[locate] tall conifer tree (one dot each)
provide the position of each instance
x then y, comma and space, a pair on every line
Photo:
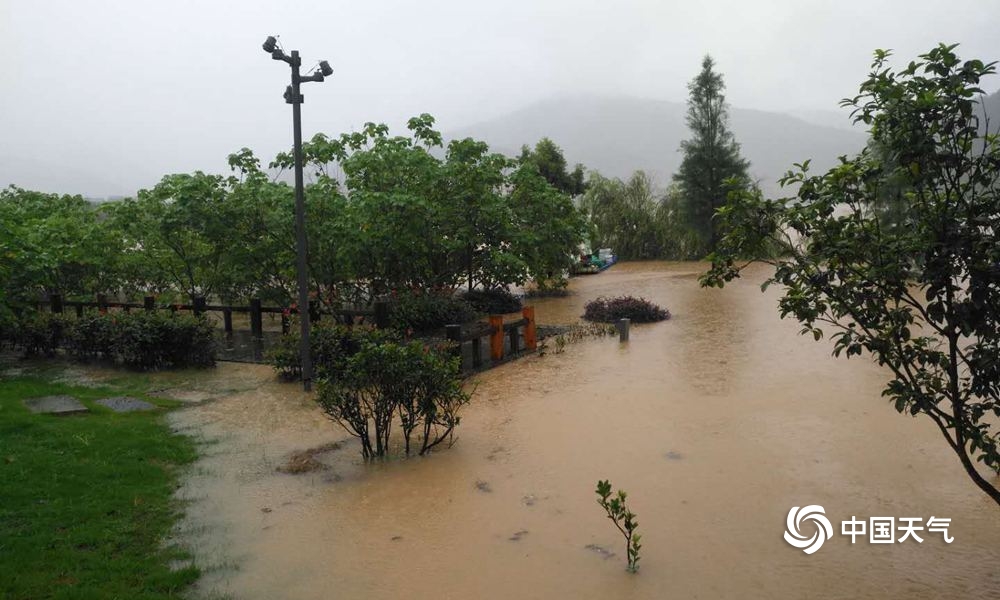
712, 164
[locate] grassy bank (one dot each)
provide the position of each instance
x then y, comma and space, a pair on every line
85, 500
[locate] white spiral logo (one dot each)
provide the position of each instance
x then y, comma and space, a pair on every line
794, 536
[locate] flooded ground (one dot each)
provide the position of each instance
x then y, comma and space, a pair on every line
716, 422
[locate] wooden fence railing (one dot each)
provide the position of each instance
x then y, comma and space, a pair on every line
505, 338
498, 334
379, 311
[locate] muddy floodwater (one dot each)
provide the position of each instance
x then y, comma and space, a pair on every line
717, 422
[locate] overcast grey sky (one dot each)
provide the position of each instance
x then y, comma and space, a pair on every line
115, 94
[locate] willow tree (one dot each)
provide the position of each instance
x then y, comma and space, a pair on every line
712, 165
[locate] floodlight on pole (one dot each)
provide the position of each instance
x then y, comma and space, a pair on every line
294, 97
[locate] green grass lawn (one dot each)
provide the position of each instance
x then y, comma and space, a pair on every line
85, 500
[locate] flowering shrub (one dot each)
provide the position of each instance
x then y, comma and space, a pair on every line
609, 310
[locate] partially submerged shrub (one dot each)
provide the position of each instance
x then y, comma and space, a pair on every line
332, 344
388, 383
493, 302
609, 310
623, 518
424, 311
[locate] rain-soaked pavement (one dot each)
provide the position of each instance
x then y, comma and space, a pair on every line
717, 422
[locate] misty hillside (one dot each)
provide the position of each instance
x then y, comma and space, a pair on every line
57, 177
618, 135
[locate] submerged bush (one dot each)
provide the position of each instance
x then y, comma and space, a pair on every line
331, 344
389, 383
422, 311
609, 310
623, 518
493, 302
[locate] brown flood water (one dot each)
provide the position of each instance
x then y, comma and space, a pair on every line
717, 422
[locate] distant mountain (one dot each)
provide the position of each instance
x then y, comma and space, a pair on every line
618, 135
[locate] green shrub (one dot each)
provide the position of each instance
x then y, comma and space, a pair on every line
152, 340
493, 302
624, 520
419, 311
138, 340
387, 383
92, 336
638, 310
331, 345
40, 333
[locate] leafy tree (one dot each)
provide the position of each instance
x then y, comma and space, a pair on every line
577, 180
54, 244
549, 228
626, 216
178, 236
712, 166
480, 218
465, 219
551, 164
923, 300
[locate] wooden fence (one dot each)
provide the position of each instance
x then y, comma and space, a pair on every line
499, 333
379, 311
505, 338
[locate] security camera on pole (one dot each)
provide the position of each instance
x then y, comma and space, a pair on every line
295, 98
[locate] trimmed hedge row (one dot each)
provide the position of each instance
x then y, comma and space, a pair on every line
138, 340
609, 310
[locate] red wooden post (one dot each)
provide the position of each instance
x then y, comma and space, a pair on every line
530, 335
496, 338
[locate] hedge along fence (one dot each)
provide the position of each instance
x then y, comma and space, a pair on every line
379, 313
136, 340
332, 344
